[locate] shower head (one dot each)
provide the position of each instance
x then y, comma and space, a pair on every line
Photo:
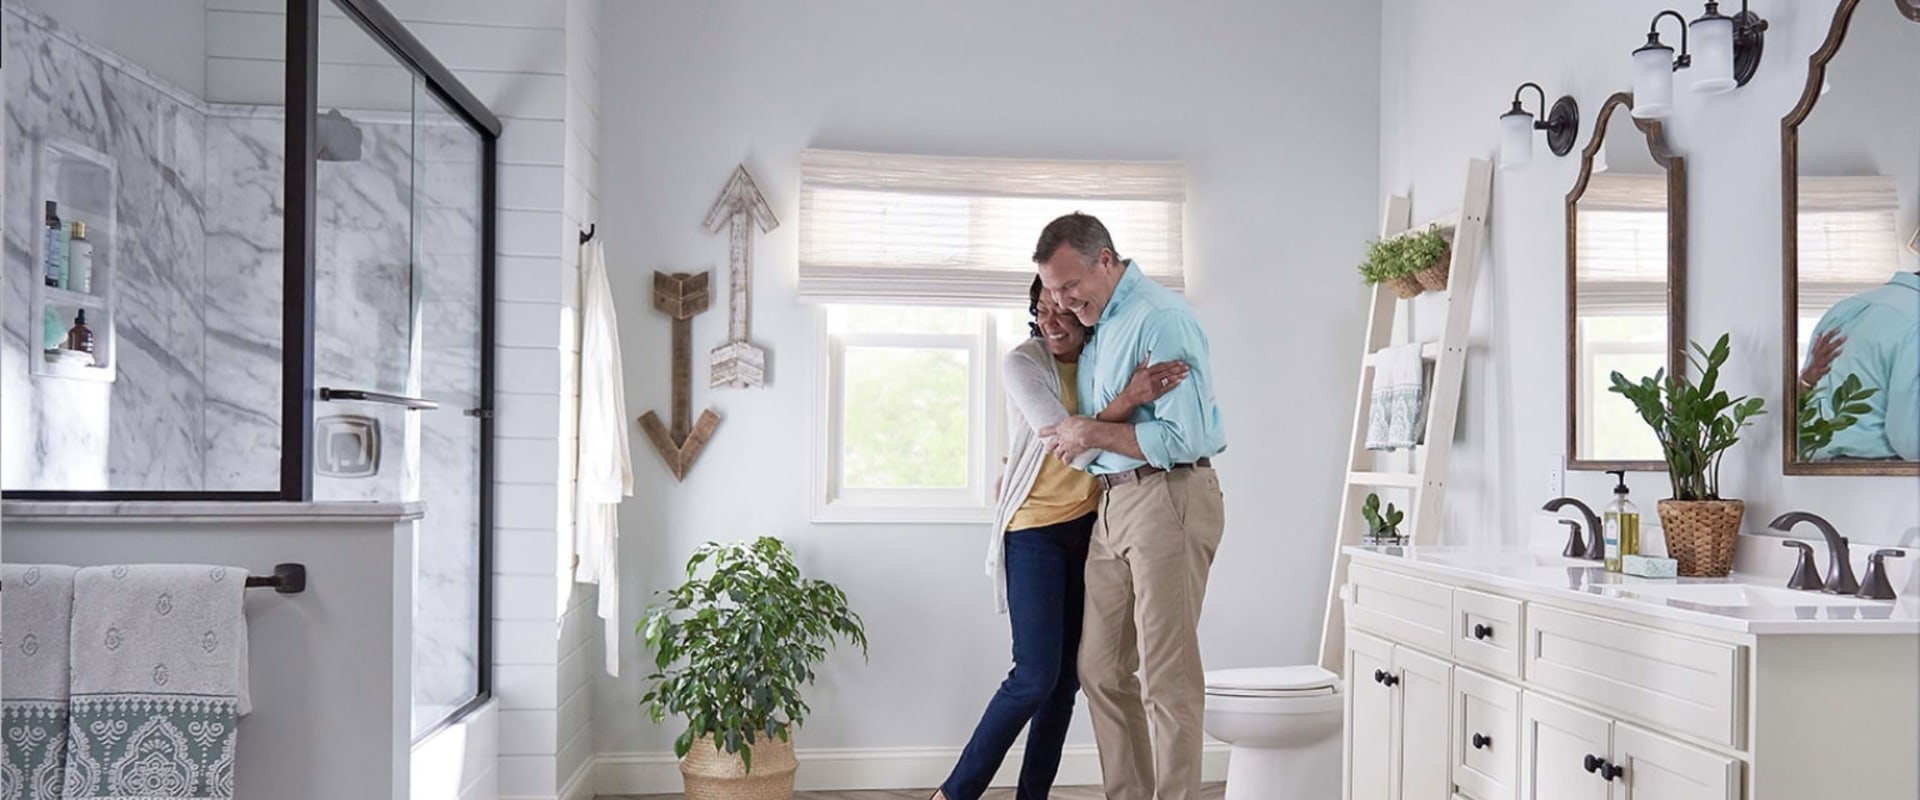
338, 137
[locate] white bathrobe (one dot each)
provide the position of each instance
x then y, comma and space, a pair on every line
605, 473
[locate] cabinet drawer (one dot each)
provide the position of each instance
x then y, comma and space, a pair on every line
1486, 737
1404, 609
1673, 682
1487, 632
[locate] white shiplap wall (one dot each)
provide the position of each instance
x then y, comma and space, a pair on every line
534, 63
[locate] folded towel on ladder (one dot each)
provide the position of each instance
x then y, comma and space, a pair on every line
159, 681
1394, 417
34, 679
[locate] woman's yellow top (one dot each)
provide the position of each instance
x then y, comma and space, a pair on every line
1060, 493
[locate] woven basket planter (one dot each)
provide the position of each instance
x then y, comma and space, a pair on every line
713, 775
1701, 533
1434, 277
1406, 287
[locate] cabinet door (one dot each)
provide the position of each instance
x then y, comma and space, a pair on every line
1559, 742
1486, 736
1371, 745
1658, 768
1426, 703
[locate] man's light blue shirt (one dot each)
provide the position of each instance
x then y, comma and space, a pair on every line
1144, 317
1882, 329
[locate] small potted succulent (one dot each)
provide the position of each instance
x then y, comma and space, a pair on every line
1383, 527
1696, 422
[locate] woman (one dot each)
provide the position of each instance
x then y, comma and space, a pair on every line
1040, 534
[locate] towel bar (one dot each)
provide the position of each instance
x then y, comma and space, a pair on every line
286, 579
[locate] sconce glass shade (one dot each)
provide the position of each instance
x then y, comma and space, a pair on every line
1516, 139
1713, 55
1653, 81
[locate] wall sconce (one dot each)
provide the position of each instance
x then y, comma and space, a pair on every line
1562, 125
1724, 55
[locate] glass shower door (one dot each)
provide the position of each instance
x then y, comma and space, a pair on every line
398, 346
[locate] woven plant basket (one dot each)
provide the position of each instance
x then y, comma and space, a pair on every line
1406, 286
710, 774
1700, 534
1434, 277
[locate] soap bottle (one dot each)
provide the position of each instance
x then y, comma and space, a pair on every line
53, 256
80, 260
1622, 522
80, 337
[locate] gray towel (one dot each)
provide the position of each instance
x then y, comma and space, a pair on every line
34, 678
159, 681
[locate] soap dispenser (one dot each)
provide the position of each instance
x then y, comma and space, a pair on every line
1622, 523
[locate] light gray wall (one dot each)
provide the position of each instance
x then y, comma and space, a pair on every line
1440, 101
167, 37
329, 666
1273, 106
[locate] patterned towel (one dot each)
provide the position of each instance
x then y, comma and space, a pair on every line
159, 681
1399, 398
34, 677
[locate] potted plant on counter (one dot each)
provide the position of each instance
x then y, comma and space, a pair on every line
732, 649
1696, 424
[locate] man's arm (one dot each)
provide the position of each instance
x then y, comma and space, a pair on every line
1903, 400
1184, 426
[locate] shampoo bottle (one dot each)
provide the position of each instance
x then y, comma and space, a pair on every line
80, 260
54, 254
1622, 520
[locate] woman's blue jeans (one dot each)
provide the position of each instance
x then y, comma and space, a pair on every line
1046, 587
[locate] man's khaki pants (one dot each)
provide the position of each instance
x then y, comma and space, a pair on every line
1146, 577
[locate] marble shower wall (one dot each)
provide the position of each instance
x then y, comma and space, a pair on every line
146, 429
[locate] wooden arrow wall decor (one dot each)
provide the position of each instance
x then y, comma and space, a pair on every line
738, 363
681, 296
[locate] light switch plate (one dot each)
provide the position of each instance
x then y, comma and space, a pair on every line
1557, 477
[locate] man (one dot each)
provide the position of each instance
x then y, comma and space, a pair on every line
1160, 518
1875, 336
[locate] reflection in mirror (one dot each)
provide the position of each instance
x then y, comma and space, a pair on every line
1626, 248
1852, 161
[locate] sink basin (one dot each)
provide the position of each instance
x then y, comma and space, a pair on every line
1732, 594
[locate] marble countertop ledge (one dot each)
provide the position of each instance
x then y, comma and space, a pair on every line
208, 511
1588, 582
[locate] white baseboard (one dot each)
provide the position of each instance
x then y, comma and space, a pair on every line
582, 785
878, 768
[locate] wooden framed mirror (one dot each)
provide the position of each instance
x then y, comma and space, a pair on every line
1850, 249
1626, 284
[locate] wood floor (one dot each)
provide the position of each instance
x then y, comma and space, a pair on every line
1212, 791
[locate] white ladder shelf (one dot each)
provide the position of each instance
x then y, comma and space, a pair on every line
1428, 479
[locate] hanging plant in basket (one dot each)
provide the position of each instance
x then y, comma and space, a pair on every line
1385, 264
1429, 254
1696, 424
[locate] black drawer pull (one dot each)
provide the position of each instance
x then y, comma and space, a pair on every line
1481, 742
1482, 632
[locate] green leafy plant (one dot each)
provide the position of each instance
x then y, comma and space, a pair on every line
1695, 422
1381, 524
733, 647
1824, 413
1403, 255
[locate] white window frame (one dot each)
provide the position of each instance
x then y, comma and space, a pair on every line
833, 503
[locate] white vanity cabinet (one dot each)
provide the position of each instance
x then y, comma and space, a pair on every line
1556, 682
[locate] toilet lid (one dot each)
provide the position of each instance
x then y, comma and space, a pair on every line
1272, 682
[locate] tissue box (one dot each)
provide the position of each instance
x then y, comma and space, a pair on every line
1650, 566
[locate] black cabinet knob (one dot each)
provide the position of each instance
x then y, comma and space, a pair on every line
1594, 763
1390, 680
1482, 632
1612, 771
1380, 677
1481, 742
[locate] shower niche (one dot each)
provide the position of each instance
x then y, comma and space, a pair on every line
81, 184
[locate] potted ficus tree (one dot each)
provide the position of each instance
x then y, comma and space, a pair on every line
733, 647
1696, 424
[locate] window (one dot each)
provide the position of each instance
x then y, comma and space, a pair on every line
1622, 242
922, 267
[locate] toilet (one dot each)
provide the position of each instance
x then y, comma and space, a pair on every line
1283, 724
